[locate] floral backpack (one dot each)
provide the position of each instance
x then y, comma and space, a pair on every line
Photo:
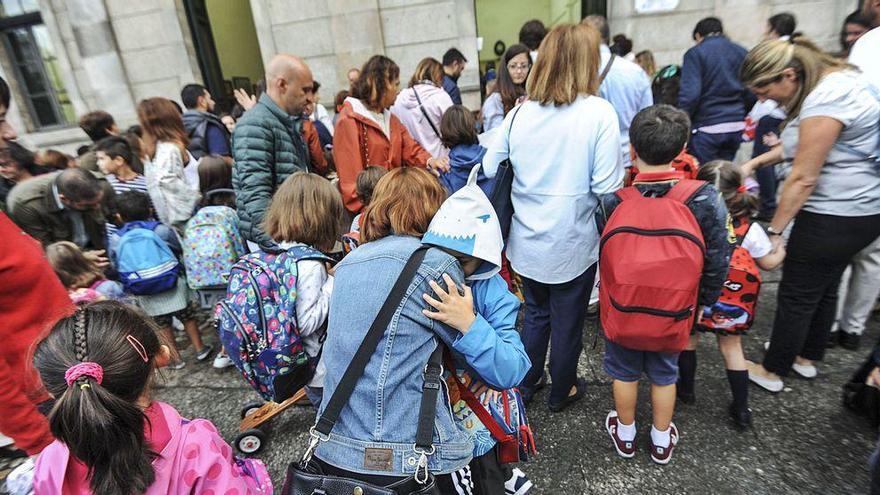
257, 322
211, 245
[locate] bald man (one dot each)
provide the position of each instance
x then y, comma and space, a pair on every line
268, 144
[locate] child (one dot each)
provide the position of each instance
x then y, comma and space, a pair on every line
364, 186
469, 213
657, 135
726, 177
135, 212
458, 129
306, 212
83, 279
114, 157
111, 437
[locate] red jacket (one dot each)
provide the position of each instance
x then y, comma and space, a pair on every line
316, 152
31, 300
358, 142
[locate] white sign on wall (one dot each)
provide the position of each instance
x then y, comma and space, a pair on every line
654, 6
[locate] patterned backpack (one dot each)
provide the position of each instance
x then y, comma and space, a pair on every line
211, 245
734, 311
257, 322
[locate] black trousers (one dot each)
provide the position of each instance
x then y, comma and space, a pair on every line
819, 249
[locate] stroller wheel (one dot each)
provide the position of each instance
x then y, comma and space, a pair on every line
250, 408
250, 441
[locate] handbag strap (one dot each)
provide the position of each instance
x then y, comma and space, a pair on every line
430, 122
607, 68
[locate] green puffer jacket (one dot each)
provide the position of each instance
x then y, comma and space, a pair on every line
263, 140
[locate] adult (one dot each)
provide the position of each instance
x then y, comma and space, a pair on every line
622, 46
854, 27
97, 125
564, 144
374, 436
421, 105
832, 190
623, 83
864, 52
531, 34
268, 144
320, 116
367, 133
510, 87
207, 134
712, 94
353, 74
780, 26
174, 195
645, 60
54, 159
17, 164
453, 65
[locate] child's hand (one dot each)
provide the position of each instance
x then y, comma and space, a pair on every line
453, 308
771, 140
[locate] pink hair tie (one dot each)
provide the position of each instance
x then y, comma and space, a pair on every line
741, 188
92, 370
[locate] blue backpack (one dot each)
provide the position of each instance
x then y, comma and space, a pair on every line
145, 263
257, 322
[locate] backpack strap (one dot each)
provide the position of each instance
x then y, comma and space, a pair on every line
628, 193
301, 253
477, 407
741, 228
684, 190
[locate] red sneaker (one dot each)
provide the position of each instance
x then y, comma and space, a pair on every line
662, 455
624, 449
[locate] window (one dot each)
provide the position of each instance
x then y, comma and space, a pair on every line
34, 63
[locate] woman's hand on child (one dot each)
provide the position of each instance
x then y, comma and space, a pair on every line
771, 140
98, 257
438, 165
454, 308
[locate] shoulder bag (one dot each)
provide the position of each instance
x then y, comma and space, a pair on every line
503, 186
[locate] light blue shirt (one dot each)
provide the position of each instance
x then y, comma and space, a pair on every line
493, 112
563, 157
628, 89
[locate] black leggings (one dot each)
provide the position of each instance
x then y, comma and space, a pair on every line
819, 249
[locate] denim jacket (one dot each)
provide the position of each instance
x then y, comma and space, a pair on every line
376, 429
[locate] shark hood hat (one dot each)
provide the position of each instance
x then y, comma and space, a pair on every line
467, 223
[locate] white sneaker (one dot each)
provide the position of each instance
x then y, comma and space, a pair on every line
222, 361
766, 346
807, 371
767, 384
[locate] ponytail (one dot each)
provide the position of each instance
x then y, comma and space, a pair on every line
729, 181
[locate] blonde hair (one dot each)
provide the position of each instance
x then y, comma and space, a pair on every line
568, 65
429, 69
404, 202
765, 63
307, 209
72, 267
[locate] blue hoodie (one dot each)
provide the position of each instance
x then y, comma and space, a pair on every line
462, 159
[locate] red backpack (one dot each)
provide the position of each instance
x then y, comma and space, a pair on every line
650, 265
735, 310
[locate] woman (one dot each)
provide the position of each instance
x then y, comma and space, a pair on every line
17, 164
780, 27
373, 439
645, 59
510, 88
174, 197
367, 133
564, 144
854, 26
832, 190
420, 107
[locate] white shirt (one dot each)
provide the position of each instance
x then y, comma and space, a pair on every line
865, 55
628, 89
563, 157
323, 116
756, 241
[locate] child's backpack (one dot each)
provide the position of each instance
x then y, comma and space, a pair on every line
257, 322
650, 264
211, 245
734, 311
145, 263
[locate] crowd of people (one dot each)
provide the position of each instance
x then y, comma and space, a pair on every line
380, 257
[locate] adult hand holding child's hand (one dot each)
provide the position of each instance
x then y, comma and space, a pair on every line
454, 308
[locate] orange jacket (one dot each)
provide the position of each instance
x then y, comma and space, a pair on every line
316, 152
359, 142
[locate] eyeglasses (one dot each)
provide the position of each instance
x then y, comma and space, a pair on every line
518, 67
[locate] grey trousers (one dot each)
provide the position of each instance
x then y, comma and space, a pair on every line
859, 289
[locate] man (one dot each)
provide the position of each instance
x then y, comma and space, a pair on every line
31, 297
864, 52
532, 34
268, 144
97, 125
353, 74
453, 65
712, 93
625, 85
207, 134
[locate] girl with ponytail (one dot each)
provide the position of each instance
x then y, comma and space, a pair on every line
111, 438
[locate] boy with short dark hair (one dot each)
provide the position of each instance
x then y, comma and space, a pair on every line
114, 157
657, 135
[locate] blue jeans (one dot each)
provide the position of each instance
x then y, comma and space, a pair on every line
707, 147
555, 317
766, 176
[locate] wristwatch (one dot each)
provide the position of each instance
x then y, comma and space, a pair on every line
772, 231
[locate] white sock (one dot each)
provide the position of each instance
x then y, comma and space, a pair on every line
627, 433
660, 438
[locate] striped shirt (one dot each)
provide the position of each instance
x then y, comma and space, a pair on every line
139, 183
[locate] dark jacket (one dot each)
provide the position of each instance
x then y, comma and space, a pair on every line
711, 214
450, 85
711, 91
267, 143
197, 126
33, 207
462, 159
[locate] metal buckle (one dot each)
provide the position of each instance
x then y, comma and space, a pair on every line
423, 464
316, 438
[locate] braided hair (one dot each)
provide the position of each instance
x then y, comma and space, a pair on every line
96, 416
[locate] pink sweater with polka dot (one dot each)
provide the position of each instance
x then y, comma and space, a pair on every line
194, 459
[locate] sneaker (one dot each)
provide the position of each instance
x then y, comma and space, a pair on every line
807, 371
222, 361
833, 339
767, 384
850, 341
205, 352
624, 449
580, 391
518, 484
178, 365
662, 455
766, 346
742, 418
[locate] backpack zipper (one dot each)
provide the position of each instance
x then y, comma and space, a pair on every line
657, 233
676, 315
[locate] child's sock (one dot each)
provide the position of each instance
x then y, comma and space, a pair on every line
687, 372
739, 387
660, 438
627, 433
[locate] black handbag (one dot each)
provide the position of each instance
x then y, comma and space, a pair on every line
307, 478
503, 186
861, 398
